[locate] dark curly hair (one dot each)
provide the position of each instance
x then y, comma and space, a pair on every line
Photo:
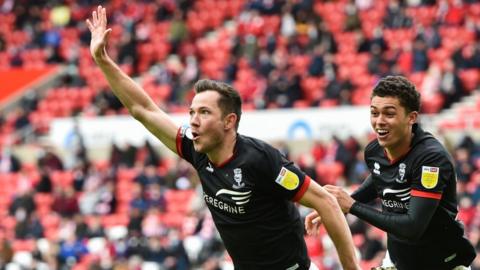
229, 101
401, 88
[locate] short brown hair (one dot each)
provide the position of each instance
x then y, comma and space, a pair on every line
229, 101
401, 88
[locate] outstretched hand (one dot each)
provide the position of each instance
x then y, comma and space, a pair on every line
99, 31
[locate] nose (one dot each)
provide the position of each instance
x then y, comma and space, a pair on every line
380, 119
194, 119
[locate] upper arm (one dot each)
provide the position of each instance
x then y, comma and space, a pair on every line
432, 173
159, 124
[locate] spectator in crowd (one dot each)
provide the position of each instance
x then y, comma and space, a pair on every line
8, 161
45, 183
65, 201
23, 202
28, 227
49, 160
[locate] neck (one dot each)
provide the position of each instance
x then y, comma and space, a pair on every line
224, 151
397, 151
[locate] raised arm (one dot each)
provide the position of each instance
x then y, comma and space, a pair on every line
132, 96
334, 221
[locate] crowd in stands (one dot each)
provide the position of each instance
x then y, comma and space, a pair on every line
140, 207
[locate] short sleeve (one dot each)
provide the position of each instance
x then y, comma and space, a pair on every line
184, 144
282, 178
431, 175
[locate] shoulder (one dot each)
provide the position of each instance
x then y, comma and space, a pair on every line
256, 148
430, 146
430, 151
373, 148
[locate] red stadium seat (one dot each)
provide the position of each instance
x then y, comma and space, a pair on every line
314, 246
329, 173
470, 78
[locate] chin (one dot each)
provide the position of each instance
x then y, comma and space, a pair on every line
382, 143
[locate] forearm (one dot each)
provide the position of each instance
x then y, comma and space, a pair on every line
338, 230
132, 96
410, 225
334, 221
139, 104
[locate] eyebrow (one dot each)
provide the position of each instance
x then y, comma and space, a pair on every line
200, 108
384, 108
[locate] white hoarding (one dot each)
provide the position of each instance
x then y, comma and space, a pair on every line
286, 124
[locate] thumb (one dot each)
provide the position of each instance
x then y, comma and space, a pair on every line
106, 34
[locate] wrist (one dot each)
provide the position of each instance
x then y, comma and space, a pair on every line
352, 207
101, 59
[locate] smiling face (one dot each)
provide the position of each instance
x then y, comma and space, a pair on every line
207, 122
392, 124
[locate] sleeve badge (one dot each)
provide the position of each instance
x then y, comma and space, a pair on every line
429, 177
287, 179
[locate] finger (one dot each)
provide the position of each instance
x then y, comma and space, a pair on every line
327, 187
311, 216
94, 18
89, 25
99, 14
104, 16
309, 225
330, 189
317, 220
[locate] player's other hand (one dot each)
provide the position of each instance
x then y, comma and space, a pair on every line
343, 198
312, 223
99, 31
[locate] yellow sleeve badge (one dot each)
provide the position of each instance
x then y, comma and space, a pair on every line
287, 179
429, 177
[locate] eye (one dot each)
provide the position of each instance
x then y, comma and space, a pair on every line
373, 113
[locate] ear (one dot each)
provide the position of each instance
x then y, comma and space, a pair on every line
412, 117
229, 121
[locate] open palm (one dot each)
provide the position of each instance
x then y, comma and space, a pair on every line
99, 31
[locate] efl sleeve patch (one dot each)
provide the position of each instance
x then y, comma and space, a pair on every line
430, 176
287, 179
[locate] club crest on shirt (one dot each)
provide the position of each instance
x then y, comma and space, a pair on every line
429, 177
287, 179
237, 176
401, 173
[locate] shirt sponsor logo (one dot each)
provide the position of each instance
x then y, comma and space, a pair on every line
239, 198
429, 177
376, 168
395, 204
401, 201
401, 172
237, 176
287, 179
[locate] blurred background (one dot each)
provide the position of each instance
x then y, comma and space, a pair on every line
83, 186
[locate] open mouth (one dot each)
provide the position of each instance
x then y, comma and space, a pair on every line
382, 133
195, 135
